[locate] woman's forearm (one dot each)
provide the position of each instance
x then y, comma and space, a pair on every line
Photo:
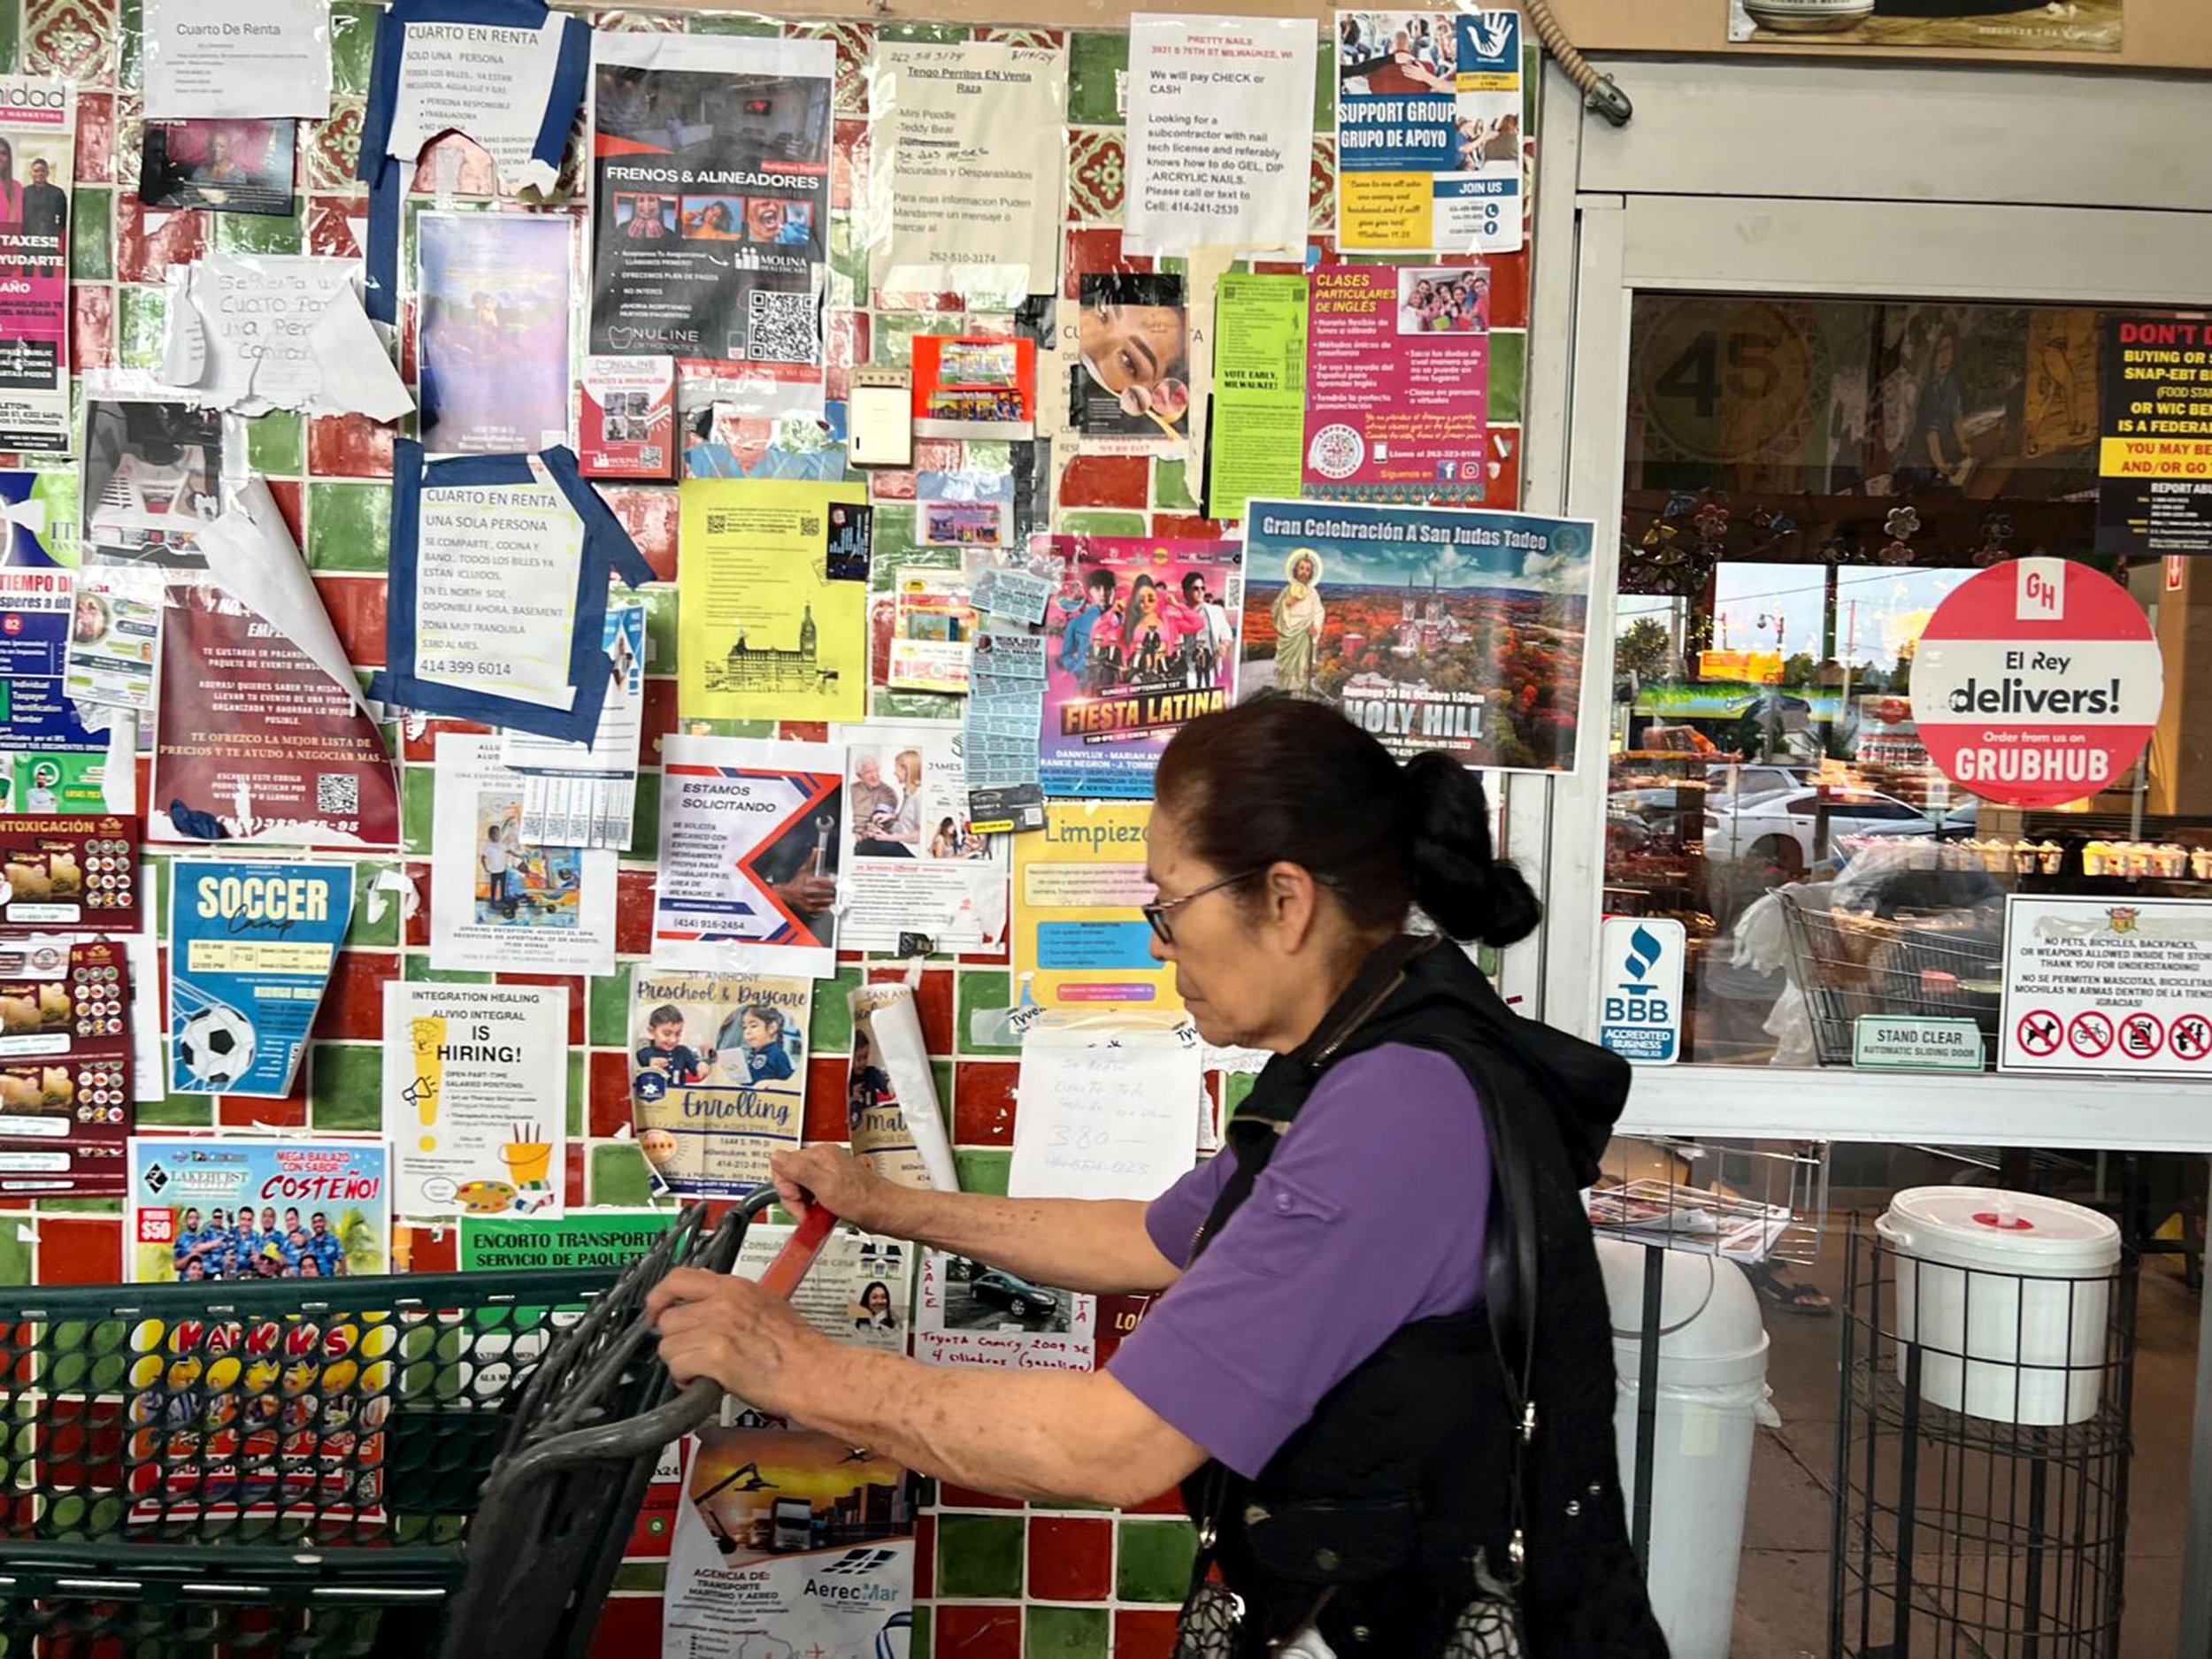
1094, 1245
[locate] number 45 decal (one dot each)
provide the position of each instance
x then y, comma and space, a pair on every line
1743, 364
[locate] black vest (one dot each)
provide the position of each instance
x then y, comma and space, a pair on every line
1367, 1520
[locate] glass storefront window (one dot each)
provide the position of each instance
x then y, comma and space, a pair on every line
1806, 482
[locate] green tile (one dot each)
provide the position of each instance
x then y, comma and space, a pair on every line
1066, 1633
79, 1206
1153, 1561
982, 1169
10, 36
417, 802
660, 626
260, 233
1101, 521
91, 227
419, 968
887, 704
1171, 486
130, 37
980, 1556
1508, 365
142, 327
919, 1638
830, 1022
1235, 1086
384, 927
353, 47
975, 990
895, 542
1098, 59
890, 340
925, 34
276, 446
15, 1250
645, 820
577, 1087
349, 526
766, 27
848, 266
345, 1085
649, 1577
1325, 84
178, 1112
607, 1009
617, 1174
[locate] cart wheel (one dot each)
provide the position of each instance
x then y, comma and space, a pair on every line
1018, 1307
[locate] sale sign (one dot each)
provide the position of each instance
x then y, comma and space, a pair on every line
2037, 683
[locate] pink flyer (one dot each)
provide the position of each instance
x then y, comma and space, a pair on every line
1397, 382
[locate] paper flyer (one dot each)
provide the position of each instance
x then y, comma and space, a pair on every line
1429, 131
490, 82
1105, 1117
256, 742
38, 135
67, 1101
2154, 432
1397, 382
1079, 940
914, 872
717, 1076
626, 424
232, 166
930, 629
492, 321
154, 474
711, 211
585, 794
940, 224
584, 1238
2106, 989
1131, 385
892, 1115
70, 873
751, 836
974, 386
968, 1314
476, 1097
260, 332
255, 1208
49, 760
1220, 132
496, 902
1432, 627
1259, 390
859, 1290
763, 631
251, 947
221, 58
789, 1542
114, 639
1142, 638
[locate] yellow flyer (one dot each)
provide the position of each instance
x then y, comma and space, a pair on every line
764, 631
1078, 933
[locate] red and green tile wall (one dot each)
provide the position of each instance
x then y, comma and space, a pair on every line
999, 1580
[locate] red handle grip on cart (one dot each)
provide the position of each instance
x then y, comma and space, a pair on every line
782, 1275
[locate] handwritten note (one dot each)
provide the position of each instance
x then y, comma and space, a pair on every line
1103, 1116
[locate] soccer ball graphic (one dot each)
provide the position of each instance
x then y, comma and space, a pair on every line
216, 1045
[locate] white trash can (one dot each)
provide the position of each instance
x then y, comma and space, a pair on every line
2006, 1295
1712, 1395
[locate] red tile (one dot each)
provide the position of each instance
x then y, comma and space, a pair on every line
607, 1093
1196, 529
925, 1555
253, 1111
430, 1248
466, 163
1099, 251
348, 446
633, 912
1148, 1634
848, 166
826, 1115
419, 741
419, 919
1509, 289
976, 1631
1070, 1560
649, 512
938, 454
895, 484
628, 1625
1504, 490
572, 983
932, 1003
356, 604
287, 493
79, 1250
149, 241
353, 1006
96, 136
659, 715
983, 1102
1105, 480
330, 231
1169, 1503
92, 327
576, 1154
952, 1497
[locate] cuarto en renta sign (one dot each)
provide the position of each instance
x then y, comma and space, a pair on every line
2037, 683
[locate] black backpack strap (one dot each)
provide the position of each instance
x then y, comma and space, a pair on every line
1510, 1297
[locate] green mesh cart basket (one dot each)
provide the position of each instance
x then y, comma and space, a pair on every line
206, 1470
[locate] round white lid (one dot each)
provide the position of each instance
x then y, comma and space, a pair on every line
1989, 1221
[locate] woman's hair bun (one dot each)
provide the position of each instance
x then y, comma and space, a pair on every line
1464, 888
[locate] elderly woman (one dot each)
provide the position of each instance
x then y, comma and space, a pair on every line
1322, 1376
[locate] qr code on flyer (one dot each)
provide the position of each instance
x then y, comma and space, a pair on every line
338, 794
781, 327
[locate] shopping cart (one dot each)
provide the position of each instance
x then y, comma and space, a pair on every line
395, 1466
1847, 964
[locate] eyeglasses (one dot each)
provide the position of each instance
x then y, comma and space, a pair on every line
1157, 913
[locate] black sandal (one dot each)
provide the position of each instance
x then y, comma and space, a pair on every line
1789, 1295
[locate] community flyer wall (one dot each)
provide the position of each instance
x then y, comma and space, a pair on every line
764, 631
1429, 131
710, 177
255, 1208
255, 742
49, 760
1397, 382
789, 1542
1080, 937
251, 947
750, 833
476, 1097
38, 147
492, 308
497, 902
1143, 638
916, 874
1432, 627
717, 1075
966, 178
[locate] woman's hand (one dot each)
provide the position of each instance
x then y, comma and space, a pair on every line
714, 1325
831, 1177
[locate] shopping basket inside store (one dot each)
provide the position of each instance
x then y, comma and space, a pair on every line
1945, 965
401, 1466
